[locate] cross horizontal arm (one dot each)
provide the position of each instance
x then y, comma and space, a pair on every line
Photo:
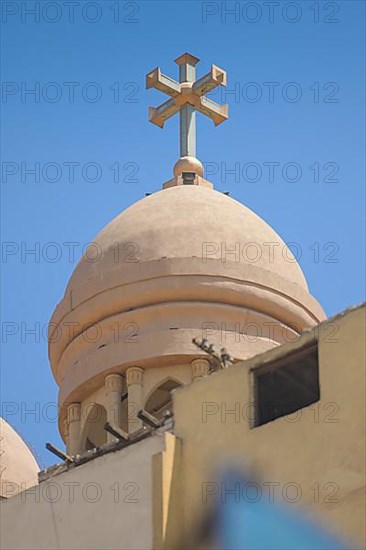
158, 115
218, 113
163, 83
216, 77
186, 97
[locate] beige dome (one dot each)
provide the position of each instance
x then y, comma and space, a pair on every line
18, 466
173, 261
180, 222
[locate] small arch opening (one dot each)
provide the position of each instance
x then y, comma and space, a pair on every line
160, 401
94, 434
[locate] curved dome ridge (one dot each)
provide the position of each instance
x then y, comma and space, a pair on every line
189, 221
19, 468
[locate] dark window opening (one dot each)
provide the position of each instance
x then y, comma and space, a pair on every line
285, 386
188, 178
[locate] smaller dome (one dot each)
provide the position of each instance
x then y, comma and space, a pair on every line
188, 164
19, 469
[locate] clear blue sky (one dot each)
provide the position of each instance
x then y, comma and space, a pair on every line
316, 46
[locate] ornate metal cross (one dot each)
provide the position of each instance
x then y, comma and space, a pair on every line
187, 97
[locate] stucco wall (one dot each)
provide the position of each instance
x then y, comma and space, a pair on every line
320, 448
105, 503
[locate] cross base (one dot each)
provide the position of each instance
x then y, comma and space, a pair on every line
187, 178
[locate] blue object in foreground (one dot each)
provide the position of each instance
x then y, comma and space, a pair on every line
258, 524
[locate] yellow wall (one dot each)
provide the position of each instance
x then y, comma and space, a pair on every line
322, 444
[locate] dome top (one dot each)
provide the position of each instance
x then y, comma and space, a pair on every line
18, 466
188, 222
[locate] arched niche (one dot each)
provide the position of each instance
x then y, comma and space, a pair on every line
160, 398
94, 434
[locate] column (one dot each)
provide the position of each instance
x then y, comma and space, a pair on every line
200, 368
114, 385
67, 434
73, 421
134, 380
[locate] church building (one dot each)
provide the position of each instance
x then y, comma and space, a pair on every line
192, 344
